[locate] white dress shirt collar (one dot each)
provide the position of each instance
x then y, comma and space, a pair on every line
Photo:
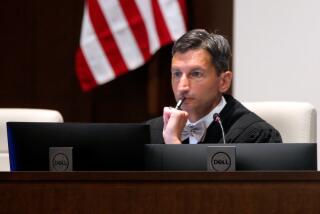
207, 119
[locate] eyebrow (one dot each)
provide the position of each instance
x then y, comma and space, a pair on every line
192, 68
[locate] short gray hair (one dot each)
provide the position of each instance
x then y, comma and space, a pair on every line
217, 46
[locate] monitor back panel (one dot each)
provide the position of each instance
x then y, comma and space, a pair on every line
249, 157
96, 147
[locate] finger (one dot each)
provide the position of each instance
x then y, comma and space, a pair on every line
166, 115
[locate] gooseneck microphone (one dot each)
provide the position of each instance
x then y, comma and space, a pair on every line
216, 118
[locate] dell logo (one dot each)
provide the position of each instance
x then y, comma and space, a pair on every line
223, 162
220, 162
60, 162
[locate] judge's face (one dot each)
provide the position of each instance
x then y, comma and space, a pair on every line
194, 77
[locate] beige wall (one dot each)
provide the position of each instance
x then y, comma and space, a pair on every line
277, 51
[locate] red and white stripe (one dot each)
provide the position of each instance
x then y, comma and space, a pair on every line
120, 35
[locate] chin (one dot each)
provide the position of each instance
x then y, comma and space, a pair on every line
187, 108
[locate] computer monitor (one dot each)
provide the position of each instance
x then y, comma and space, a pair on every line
96, 146
249, 156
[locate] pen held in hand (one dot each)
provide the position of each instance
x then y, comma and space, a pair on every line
180, 103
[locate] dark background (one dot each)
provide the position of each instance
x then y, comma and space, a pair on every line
39, 39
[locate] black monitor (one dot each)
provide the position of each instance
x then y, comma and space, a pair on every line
249, 156
96, 146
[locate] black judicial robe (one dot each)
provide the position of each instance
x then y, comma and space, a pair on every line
240, 126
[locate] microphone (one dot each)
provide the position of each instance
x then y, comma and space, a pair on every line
216, 118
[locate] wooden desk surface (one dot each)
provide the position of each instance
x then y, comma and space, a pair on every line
160, 192
161, 176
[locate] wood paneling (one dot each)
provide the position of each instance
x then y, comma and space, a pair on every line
160, 192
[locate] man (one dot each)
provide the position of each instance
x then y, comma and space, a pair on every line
200, 76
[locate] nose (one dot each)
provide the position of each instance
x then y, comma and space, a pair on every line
184, 84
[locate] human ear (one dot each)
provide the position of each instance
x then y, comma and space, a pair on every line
225, 81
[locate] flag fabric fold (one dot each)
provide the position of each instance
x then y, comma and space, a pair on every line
121, 35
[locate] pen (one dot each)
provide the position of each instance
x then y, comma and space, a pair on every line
180, 103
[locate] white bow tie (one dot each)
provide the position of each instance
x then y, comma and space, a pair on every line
197, 131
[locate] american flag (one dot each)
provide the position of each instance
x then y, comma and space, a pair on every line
121, 35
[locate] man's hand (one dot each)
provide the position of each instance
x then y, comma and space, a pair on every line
173, 123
